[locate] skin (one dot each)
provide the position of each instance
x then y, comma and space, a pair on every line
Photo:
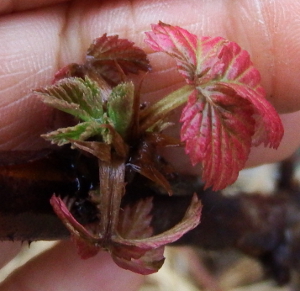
39, 37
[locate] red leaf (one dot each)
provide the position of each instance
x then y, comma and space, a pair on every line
176, 42
112, 57
85, 249
134, 224
240, 75
138, 251
148, 264
132, 246
190, 220
71, 70
269, 129
218, 134
135, 220
227, 112
87, 243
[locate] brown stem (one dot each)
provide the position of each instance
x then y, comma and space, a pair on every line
111, 177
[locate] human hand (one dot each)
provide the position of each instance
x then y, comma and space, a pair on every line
60, 268
36, 43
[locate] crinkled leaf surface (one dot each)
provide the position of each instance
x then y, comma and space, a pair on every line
112, 57
120, 107
178, 43
109, 119
132, 247
85, 241
144, 254
190, 220
214, 138
135, 220
227, 110
78, 97
135, 223
79, 132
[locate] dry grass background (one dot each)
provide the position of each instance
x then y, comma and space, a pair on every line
188, 269
185, 270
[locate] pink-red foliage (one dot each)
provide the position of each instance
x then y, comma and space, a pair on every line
227, 111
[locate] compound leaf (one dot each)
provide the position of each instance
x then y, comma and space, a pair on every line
227, 111
113, 57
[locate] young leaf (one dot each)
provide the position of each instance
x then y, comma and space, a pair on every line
80, 132
120, 107
81, 98
132, 246
85, 241
227, 110
70, 70
144, 254
112, 57
135, 220
110, 130
147, 264
178, 43
190, 220
218, 134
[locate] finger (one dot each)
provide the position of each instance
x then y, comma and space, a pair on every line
257, 26
248, 22
269, 30
60, 268
28, 58
8, 6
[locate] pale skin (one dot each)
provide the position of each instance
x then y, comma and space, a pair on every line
39, 37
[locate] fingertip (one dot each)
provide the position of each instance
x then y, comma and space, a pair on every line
60, 268
289, 144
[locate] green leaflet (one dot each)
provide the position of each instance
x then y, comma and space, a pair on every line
120, 107
81, 98
79, 132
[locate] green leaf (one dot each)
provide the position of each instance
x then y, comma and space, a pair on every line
120, 107
81, 98
80, 132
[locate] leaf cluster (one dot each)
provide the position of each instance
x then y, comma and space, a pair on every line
225, 114
108, 116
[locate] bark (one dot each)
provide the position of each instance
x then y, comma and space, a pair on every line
267, 228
